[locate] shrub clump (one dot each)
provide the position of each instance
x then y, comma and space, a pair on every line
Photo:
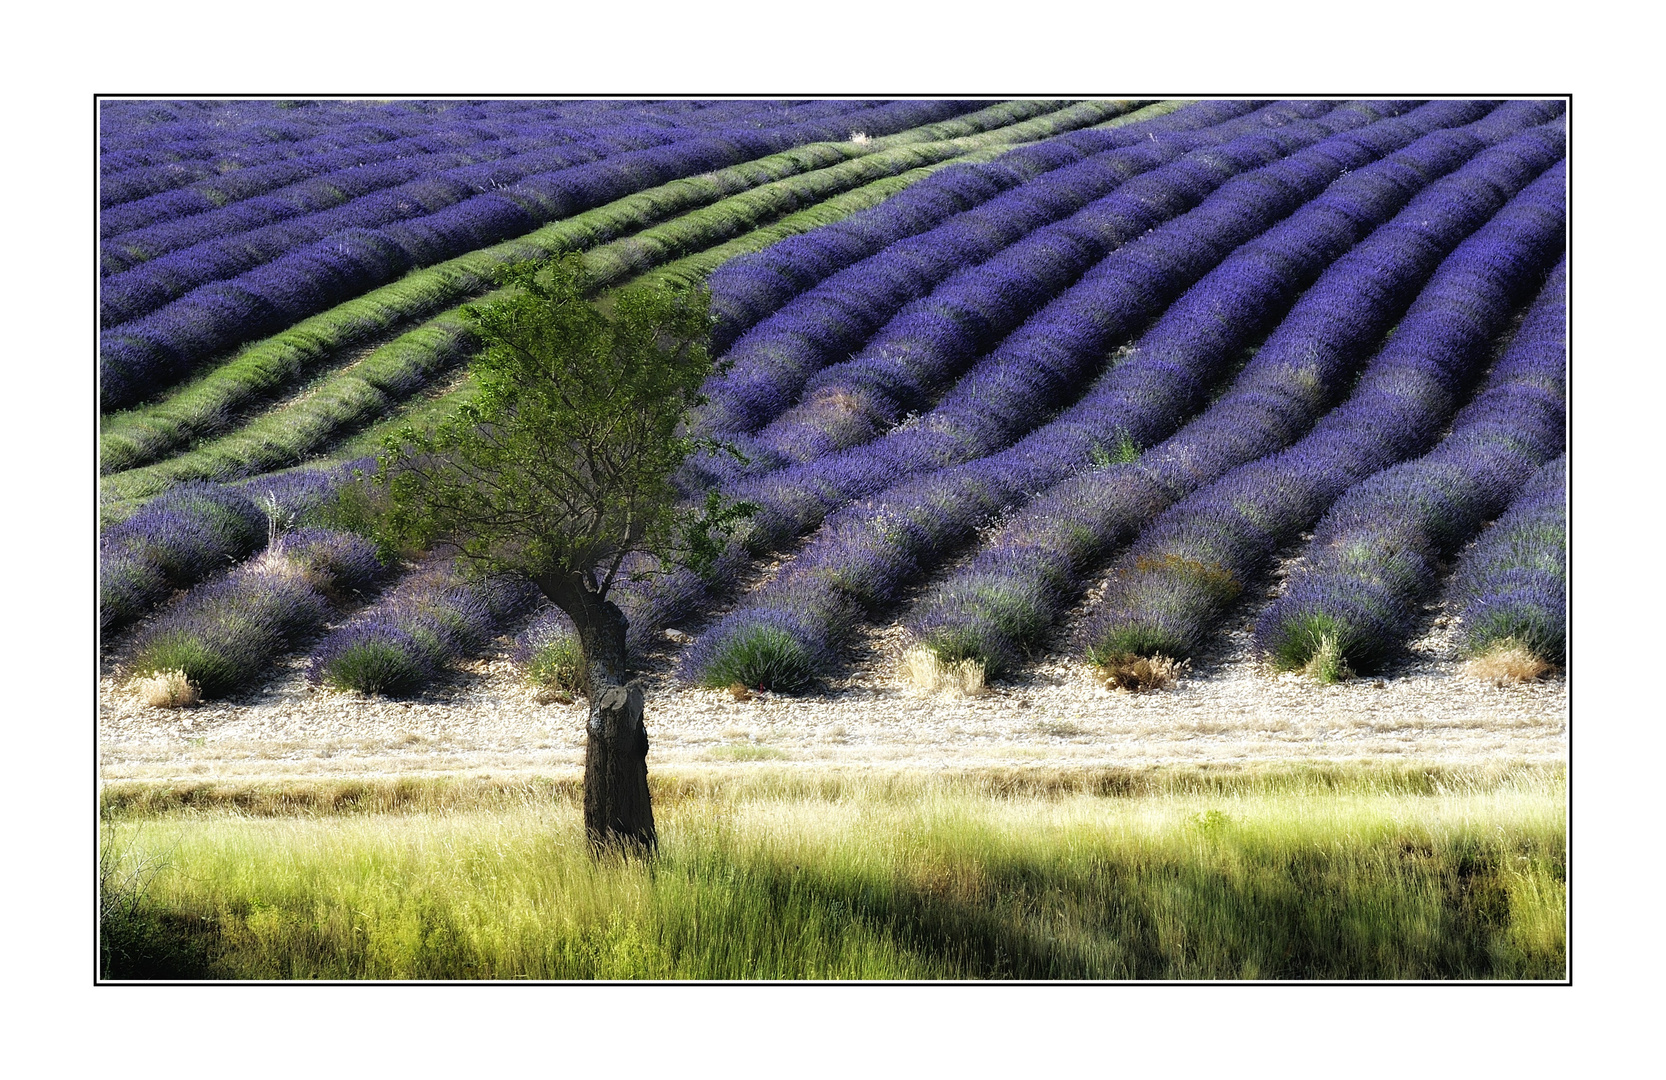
223, 636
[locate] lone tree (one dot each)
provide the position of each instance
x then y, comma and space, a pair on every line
558, 469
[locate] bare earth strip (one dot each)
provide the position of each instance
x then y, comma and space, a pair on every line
1227, 712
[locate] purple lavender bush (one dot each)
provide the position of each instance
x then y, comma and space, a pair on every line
401, 644
1376, 553
999, 606
225, 635
178, 539
1511, 587
1167, 593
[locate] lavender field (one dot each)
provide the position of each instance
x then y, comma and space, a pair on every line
1150, 555
1011, 380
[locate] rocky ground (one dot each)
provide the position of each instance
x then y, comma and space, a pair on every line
1225, 710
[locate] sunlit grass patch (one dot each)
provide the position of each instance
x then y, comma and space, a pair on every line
1301, 873
745, 752
166, 690
1132, 672
922, 669
1507, 662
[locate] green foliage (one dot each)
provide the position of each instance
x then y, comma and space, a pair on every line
953, 644
211, 666
558, 665
1515, 624
1134, 640
1125, 452
704, 537
562, 462
375, 667
359, 506
762, 658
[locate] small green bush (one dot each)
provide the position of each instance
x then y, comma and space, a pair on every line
558, 665
376, 667
762, 658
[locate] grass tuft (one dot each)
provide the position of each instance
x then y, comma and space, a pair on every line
1326, 663
167, 690
745, 752
1315, 644
761, 658
922, 669
1130, 672
376, 667
557, 667
1507, 663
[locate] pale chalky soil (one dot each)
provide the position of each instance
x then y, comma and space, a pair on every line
1226, 711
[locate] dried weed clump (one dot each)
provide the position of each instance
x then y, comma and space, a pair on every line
167, 690
1507, 663
922, 669
1327, 664
1129, 672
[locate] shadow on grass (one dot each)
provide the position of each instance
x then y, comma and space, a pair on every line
1302, 917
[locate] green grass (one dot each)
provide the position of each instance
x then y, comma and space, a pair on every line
1297, 873
745, 752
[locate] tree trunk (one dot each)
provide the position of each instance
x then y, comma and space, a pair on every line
617, 810
618, 814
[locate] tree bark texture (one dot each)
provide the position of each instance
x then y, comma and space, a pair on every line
617, 809
618, 813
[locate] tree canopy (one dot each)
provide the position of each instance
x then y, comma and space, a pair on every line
561, 464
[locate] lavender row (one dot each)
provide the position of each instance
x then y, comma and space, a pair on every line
929, 343
400, 212
224, 636
432, 618
196, 530
1510, 589
1375, 553
328, 193
797, 499
248, 132
746, 290
535, 183
313, 194
1002, 604
382, 378
867, 553
249, 196
226, 169
151, 351
244, 134
1166, 228
769, 365
1167, 593
176, 540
